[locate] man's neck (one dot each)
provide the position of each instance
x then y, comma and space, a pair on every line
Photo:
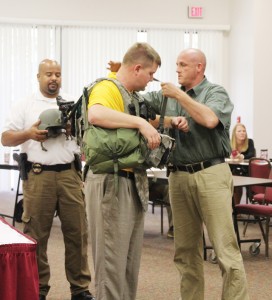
193, 84
123, 76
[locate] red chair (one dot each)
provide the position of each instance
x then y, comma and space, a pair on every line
260, 168
261, 213
261, 198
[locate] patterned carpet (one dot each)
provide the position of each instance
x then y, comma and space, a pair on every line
159, 279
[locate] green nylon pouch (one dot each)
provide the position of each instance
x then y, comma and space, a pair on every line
109, 149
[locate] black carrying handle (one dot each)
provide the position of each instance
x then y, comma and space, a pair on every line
161, 122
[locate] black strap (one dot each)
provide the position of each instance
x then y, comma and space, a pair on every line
161, 122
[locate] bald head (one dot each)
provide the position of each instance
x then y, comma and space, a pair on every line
196, 56
191, 65
49, 77
47, 62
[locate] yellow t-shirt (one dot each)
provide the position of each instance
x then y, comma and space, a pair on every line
107, 94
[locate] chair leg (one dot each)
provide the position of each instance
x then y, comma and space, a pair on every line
267, 237
245, 226
204, 247
236, 228
261, 227
16, 198
161, 218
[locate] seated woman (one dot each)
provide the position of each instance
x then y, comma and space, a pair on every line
242, 148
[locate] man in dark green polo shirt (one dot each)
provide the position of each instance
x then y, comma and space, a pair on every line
200, 184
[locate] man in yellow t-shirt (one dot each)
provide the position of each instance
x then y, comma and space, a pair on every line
116, 222
107, 94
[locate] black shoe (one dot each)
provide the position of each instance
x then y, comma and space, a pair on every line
42, 297
86, 295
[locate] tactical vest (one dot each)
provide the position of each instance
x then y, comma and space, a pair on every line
97, 161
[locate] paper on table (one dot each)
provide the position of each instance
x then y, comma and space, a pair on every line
8, 235
156, 173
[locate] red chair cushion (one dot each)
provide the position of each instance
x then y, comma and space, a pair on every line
259, 198
253, 209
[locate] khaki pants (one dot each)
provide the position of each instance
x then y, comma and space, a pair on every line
44, 194
205, 196
116, 227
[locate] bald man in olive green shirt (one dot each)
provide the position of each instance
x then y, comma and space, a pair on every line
200, 184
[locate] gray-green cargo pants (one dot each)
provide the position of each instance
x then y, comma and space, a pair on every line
116, 227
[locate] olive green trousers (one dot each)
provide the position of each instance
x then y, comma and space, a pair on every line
206, 197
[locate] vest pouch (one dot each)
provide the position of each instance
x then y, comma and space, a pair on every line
160, 156
103, 147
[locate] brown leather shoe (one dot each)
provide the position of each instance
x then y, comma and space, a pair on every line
86, 295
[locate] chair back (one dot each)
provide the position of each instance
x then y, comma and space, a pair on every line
268, 192
260, 168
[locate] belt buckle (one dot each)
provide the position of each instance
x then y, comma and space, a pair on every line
190, 169
37, 168
171, 168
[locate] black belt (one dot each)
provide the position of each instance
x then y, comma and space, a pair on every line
37, 168
193, 168
125, 174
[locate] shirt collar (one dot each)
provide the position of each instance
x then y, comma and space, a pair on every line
41, 97
195, 91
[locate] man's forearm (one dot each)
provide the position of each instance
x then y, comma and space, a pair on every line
12, 138
167, 122
108, 118
201, 113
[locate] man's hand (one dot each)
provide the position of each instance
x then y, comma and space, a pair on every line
12, 138
114, 66
151, 134
170, 90
37, 134
180, 123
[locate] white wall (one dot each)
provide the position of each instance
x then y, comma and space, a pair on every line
262, 74
241, 70
250, 65
118, 11
247, 46
154, 13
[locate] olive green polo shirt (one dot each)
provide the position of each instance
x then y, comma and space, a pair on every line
200, 143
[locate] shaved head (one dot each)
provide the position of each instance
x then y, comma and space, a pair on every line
44, 63
191, 65
196, 56
49, 77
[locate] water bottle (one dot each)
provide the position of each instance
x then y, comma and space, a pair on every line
264, 153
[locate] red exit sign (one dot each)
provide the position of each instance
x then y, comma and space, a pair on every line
195, 12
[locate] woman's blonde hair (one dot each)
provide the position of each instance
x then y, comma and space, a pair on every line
233, 138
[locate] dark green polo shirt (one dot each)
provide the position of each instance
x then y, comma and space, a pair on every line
200, 143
